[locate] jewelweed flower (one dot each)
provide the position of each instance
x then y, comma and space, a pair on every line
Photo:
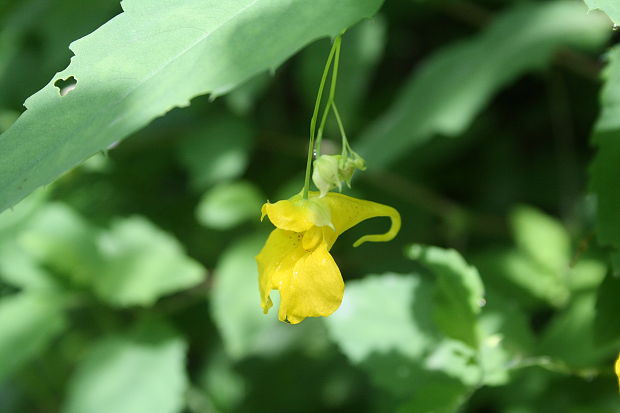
296, 260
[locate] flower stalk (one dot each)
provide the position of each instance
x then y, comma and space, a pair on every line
335, 51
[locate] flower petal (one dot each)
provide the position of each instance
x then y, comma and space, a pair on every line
346, 212
276, 261
297, 214
314, 289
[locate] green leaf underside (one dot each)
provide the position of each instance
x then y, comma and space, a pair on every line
609, 7
605, 170
452, 87
150, 361
155, 56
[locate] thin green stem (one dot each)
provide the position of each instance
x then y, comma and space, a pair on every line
345, 141
331, 97
335, 51
319, 134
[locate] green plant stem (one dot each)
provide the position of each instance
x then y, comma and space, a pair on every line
335, 48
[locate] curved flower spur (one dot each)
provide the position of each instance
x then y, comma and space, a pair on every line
296, 260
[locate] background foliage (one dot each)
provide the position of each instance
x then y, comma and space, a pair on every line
129, 284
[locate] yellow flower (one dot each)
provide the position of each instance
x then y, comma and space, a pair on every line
296, 260
618, 370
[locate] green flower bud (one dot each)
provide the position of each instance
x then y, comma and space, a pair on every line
351, 163
331, 170
326, 173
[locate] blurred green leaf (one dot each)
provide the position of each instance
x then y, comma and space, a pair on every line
242, 99
538, 269
229, 204
384, 325
605, 168
609, 7
586, 275
606, 322
452, 86
442, 396
513, 273
139, 372
28, 323
142, 263
542, 238
459, 292
570, 337
12, 221
235, 304
21, 270
366, 321
120, 93
507, 338
222, 384
615, 263
63, 240
216, 151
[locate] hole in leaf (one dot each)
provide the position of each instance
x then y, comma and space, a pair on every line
66, 85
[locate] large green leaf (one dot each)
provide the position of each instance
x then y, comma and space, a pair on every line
606, 166
24, 69
28, 322
139, 372
459, 292
449, 90
609, 7
155, 56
